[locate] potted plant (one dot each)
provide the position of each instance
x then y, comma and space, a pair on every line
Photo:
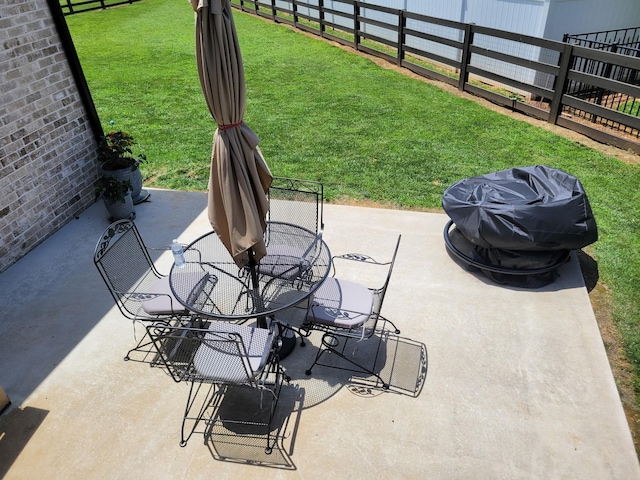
117, 197
115, 153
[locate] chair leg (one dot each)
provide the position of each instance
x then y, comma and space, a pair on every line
194, 391
280, 376
274, 403
159, 326
330, 343
142, 347
138, 348
271, 385
303, 334
396, 330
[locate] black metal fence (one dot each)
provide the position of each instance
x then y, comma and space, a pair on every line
476, 59
624, 41
70, 7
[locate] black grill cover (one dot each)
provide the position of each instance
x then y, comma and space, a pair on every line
530, 208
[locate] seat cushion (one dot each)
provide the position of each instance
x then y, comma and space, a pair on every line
341, 303
166, 303
283, 261
221, 361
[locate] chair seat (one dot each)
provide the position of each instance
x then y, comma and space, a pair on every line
215, 362
283, 261
341, 303
166, 303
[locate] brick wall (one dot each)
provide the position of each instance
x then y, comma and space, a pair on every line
47, 148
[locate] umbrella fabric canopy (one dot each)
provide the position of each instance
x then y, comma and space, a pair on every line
239, 176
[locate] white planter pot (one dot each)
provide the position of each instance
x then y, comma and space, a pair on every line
135, 177
119, 210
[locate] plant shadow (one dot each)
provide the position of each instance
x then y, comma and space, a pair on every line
17, 426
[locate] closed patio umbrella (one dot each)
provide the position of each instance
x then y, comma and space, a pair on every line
240, 178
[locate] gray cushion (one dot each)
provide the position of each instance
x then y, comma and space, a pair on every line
341, 303
166, 303
219, 360
283, 261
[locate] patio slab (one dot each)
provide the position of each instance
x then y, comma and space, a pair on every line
487, 381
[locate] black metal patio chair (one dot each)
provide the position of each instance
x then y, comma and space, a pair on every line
297, 201
140, 291
217, 359
345, 309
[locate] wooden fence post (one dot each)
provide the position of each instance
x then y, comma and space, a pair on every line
561, 84
321, 17
295, 13
466, 56
402, 24
356, 24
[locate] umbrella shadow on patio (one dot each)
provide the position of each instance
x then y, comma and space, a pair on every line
240, 432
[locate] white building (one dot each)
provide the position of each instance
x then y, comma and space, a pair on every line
538, 18
549, 19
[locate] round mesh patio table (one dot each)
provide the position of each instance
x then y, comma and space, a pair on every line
211, 284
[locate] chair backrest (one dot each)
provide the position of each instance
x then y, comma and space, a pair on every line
295, 201
228, 354
378, 292
124, 264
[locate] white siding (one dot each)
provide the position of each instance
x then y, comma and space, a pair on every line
521, 16
447, 9
539, 18
586, 16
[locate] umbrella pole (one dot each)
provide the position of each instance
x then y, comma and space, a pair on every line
287, 343
262, 321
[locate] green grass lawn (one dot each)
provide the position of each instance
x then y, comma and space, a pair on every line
325, 114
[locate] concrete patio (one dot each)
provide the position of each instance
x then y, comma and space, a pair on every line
487, 381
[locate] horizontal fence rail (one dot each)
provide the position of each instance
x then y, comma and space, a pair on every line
70, 7
591, 91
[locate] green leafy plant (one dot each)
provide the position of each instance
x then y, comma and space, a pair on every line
112, 188
115, 152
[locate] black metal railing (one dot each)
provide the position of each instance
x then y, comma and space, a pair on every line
623, 41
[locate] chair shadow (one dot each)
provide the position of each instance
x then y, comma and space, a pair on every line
240, 435
401, 363
17, 426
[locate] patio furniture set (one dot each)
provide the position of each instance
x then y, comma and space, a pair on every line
217, 326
